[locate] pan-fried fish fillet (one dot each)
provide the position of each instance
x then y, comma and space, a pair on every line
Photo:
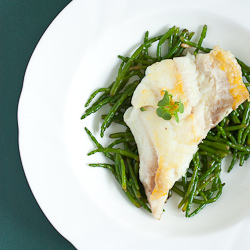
210, 86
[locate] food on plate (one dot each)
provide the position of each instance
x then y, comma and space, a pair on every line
209, 86
184, 113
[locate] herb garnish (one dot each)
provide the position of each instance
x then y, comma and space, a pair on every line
167, 108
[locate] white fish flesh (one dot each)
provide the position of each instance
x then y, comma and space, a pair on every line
210, 86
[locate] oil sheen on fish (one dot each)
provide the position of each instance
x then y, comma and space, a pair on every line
210, 86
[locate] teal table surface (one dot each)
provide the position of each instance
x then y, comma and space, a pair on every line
22, 223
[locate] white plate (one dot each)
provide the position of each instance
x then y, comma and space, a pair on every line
77, 54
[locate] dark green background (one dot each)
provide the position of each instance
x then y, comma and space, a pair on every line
22, 224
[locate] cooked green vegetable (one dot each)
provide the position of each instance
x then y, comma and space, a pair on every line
202, 184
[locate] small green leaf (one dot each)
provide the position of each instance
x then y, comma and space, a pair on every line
181, 107
165, 101
161, 112
143, 109
176, 117
162, 103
